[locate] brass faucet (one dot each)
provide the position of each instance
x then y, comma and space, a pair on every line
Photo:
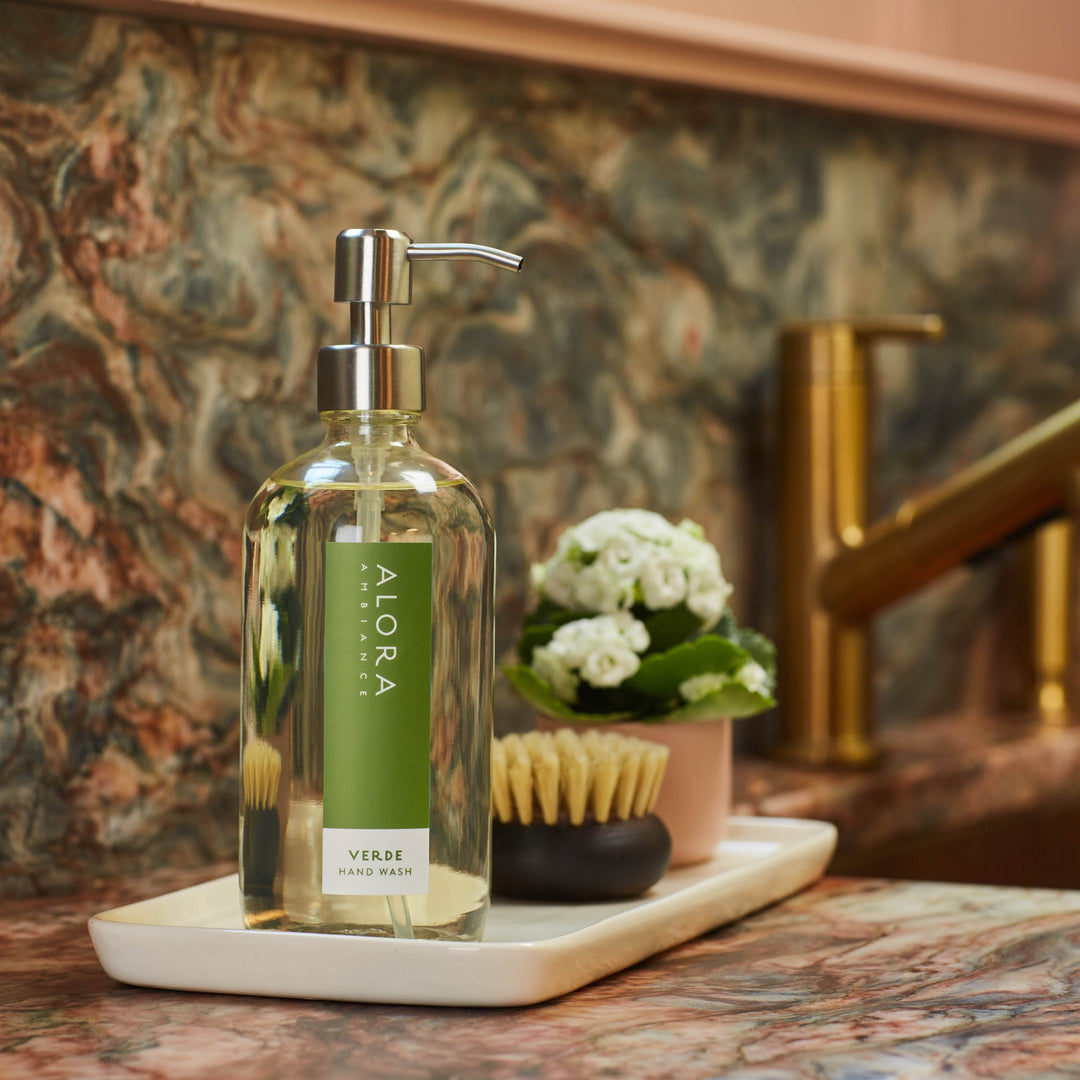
837, 570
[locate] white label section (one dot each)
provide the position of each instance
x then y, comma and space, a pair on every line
375, 862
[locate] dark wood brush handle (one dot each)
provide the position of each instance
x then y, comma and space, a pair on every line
590, 861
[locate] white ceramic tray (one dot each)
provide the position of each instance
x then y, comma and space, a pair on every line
194, 939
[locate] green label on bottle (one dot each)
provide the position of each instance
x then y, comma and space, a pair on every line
376, 718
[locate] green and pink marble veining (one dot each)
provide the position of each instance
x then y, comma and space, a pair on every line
848, 979
169, 196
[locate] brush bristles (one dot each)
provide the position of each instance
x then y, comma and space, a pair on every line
602, 773
262, 774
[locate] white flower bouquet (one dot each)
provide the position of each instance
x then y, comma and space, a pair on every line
632, 623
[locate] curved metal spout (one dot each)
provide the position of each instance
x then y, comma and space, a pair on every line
1026, 482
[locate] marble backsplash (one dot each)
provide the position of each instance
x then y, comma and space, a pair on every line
169, 197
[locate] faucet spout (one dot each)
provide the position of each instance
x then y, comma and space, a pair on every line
1026, 482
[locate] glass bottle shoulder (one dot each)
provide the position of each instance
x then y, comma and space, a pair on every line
351, 466
400, 470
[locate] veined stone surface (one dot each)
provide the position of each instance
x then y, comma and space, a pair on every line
850, 978
169, 197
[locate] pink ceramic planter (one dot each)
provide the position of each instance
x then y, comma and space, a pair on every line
695, 799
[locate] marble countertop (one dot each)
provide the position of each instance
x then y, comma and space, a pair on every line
935, 775
851, 978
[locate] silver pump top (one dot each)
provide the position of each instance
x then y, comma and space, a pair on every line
373, 269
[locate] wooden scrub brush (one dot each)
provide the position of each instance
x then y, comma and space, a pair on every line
573, 816
261, 833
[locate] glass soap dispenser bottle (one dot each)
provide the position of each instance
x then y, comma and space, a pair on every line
368, 648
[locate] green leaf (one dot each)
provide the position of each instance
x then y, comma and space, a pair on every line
727, 626
668, 627
531, 638
548, 613
290, 623
604, 700
661, 674
537, 693
760, 648
733, 701
275, 695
